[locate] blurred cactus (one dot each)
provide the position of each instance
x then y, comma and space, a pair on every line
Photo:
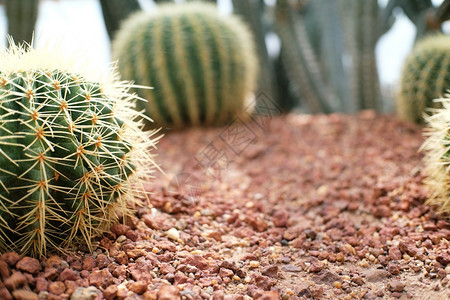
115, 11
426, 17
201, 64
425, 76
437, 156
301, 61
252, 12
362, 28
21, 18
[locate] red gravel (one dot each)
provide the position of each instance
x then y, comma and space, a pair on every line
322, 207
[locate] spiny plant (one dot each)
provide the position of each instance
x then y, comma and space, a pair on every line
72, 152
437, 155
201, 64
425, 76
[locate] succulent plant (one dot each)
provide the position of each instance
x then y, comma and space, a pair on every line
437, 155
21, 17
425, 76
72, 153
201, 64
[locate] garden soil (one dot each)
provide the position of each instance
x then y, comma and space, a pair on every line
287, 207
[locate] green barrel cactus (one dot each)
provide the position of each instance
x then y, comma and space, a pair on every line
437, 156
202, 64
425, 76
72, 152
21, 17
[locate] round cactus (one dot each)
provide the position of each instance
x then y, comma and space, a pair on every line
70, 145
201, 64
425, 76
437, 156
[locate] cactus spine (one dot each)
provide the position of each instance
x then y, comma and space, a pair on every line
201, 64
21, 17
437, 156
69, 150
425, 76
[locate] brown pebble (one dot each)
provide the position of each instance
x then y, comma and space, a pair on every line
121, 258
120, 229
382, 211
11, 258
28, 264
4, 270
375, 275
102, 261
393, 268
110, 292
394, 253
68, 274
264, 282
53, 261
57, 287
50, 273
24, 295
224, 272
71, 286
396, 286
270, 271
100, 278
197, 261
168, 292
280, 218
5, 294
358, 280
41, 284
89, 263
316, 266
268, 295
444, 257
16, 280
139, 287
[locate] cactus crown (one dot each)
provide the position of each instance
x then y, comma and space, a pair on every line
425, 76
201, 64
437, 156
71, 151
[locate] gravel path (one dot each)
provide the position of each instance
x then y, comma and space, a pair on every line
297, 207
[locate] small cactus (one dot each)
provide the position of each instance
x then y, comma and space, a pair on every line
72, 154
425, 76
201, 64
437, 156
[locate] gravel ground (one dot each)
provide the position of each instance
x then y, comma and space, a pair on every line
296, 207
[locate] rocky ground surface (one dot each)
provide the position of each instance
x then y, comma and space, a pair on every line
294, 207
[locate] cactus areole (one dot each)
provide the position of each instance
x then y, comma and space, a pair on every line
71, 151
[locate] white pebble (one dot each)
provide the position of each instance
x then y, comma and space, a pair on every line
173, 234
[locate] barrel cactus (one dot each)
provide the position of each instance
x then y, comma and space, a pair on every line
202, 64
72, 152
425, 76
437, 156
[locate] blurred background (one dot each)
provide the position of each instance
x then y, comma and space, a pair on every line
79, 23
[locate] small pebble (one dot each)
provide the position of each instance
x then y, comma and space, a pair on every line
254, 264
173, 234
